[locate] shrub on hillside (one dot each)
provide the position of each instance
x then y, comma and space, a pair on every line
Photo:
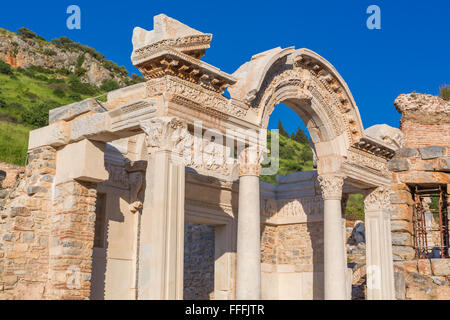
27, 33
445, 92
49, 52
37, 115
5, 68
79, 87
109, 85
59, 93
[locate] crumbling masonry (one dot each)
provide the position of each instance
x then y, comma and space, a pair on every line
110, 207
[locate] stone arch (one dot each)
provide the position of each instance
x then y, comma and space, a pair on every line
310, 86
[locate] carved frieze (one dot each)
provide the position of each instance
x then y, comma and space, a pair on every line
164, 133
271, 208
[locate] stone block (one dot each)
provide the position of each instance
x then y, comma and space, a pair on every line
440, 267
401, 197
406, 153
402, 239
400, 286
401, 226
54, 135
410, 266
10, 281
73, 110
3, 193
403, 253
83, 161
32, 190
424, 266
421, 177
402, 212
431, 152
19, 211
398, 165
443, 164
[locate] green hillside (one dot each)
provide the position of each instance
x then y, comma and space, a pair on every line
293, 156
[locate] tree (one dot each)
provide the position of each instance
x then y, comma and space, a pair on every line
5, 68
37, 115
27, 33
300, 136
109, 85
445, 92
281, 130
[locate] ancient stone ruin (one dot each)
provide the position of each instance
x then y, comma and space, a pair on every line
115, 202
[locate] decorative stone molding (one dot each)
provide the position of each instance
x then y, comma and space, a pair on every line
188, 93
367, 160
331, 186
378, 199
250, 161
164, 133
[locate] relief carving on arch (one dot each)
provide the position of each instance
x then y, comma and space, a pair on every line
309, 81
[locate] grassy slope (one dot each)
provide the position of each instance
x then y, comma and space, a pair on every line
293, 157
25, 91
13, 143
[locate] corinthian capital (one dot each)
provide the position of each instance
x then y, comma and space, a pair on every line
331, 186
378, 199
164, 133
250, 161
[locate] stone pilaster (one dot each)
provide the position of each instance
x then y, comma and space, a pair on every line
248, 271
334, 252
380, 272
160, 275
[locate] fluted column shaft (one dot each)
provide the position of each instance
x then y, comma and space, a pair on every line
248, 269
334, 255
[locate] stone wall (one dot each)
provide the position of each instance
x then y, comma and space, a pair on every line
300, 245
46, 234
199, 243
24, 230
423, 161
12, 173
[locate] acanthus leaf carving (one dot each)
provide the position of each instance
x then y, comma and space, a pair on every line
378, 199
331, 186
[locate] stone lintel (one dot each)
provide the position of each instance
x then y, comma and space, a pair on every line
55, 135
73, 110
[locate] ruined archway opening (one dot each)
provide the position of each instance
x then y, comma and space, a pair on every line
295, 144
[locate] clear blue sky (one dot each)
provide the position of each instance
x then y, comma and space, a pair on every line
409, 53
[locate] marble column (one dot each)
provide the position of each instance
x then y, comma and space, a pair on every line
334, 255
379, 261
248, 269
161, 237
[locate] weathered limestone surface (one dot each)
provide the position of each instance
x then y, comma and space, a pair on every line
50, 220
423, 161
25, 231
